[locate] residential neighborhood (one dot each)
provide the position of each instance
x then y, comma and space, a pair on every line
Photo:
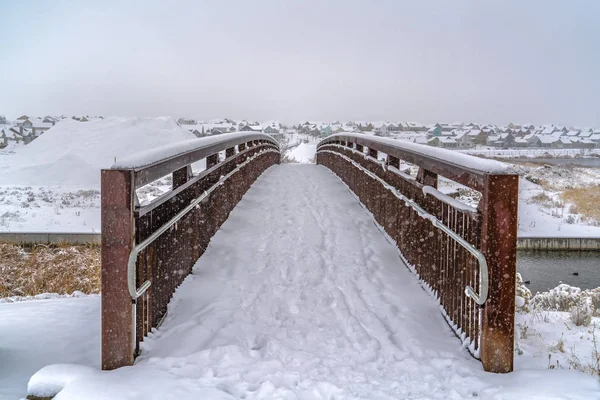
447, 135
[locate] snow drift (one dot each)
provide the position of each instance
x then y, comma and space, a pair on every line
72, 153
304, 153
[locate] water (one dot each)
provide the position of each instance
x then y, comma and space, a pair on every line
546, 270
578, 162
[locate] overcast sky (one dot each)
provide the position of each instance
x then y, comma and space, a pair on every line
483, 61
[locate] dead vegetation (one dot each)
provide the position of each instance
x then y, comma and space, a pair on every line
61, 269
585, 201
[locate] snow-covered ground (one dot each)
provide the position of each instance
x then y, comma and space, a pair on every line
36, 333
309, 301
303, 153
53, 183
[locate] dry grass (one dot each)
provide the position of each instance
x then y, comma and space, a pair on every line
49, 269
585, 200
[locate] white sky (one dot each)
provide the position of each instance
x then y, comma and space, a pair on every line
490, 61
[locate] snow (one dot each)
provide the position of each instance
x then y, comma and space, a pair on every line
303, 153
72, 153
536, 221
160, 153
463, 160
34, 334
459, 205
300, 296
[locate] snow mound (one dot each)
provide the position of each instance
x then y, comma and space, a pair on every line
303, 153
72, 153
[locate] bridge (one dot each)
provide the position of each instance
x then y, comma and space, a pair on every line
301, 231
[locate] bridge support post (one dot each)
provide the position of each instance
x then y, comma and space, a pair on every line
499, 245
212, 160
181, 176
117, 222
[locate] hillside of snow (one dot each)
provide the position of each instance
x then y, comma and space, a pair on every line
72, 153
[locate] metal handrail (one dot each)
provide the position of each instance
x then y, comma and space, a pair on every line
131, 264
483, 276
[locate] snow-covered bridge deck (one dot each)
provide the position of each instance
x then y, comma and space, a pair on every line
301, 296
300, 292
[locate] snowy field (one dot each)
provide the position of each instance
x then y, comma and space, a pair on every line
61, 172
53, 183
324, 309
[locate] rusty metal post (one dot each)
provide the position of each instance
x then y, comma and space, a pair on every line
117, 206
181, 176
499, 245
427, 177
212, 160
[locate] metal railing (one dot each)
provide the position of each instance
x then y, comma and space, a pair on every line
464, 256
171, 232
483, 276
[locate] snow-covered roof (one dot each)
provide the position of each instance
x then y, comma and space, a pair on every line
548, 139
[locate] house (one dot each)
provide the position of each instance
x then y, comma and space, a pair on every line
24, 122
564, 143
582, 143
434, 131
533, 140
462, 139
271, 130
443, 141
547, 141
381, 128
521, 142
251, 128
325, 131
477, 136
491, 140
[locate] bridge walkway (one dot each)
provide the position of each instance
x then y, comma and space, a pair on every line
300, 287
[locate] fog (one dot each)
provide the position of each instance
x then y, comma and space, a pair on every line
488, 62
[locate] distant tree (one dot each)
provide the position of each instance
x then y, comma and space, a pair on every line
369, 127
2, 119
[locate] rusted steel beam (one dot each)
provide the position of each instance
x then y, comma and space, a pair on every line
212, 160
468, 177
181, 176
427, 178
451, 268
117, 221
499, 245
148, 173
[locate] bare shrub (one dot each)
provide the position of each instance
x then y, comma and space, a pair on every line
561, 298
523, 295
49, 269
581, 314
